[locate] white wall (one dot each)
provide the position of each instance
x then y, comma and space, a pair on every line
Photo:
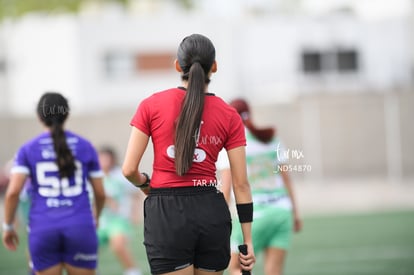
133, 35
4, 31
258, 58
42, 55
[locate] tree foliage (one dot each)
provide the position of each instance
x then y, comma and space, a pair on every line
16, 8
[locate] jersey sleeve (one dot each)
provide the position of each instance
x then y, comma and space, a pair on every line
142, 117
222, 161
237, 135
94, 168
21, 162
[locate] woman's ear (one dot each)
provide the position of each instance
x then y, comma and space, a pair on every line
177, 66
214, 67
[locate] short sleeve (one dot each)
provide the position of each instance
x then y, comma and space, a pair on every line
142, 117
94, 168
222, 160
237, 134
21, 163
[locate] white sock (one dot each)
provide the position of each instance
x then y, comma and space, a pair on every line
132, 271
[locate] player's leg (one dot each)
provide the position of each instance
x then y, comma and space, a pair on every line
54, 270
73, 270
189, 270
275, 253
204, 272
119, 245
234, 266
274, 259
119, 231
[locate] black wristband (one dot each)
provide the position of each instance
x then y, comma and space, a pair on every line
146, 183
245, 212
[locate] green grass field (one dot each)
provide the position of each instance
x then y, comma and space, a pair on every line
363, 244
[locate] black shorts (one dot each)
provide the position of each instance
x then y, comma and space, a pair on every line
186, 226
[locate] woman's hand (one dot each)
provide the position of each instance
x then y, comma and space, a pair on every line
10, 239
247, 261
297, 223
146, 190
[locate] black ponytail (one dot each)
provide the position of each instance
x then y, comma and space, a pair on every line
196, 56
53, 109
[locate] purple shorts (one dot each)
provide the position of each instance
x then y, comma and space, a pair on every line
75, 245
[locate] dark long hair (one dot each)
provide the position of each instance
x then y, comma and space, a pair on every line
196, 55
265, 135
53, 109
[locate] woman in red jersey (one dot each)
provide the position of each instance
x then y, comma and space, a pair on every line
187, 223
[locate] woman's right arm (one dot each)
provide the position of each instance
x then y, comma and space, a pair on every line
11, 201
243, 197
137, 144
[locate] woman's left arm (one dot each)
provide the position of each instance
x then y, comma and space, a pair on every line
137, 144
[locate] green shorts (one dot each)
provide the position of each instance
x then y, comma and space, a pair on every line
112, 226
272, 227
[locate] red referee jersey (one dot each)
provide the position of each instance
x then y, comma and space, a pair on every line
221, 126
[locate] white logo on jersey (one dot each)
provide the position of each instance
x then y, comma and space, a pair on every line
51, 202
85, 257
199, 154
48, 154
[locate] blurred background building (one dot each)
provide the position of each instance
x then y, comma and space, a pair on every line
335, 77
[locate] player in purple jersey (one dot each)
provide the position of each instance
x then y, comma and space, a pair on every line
60, 164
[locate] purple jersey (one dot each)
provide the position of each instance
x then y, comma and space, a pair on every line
54, 200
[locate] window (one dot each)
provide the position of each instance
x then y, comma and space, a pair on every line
129, 64
119, 64
347, 60
337, 60
311, 62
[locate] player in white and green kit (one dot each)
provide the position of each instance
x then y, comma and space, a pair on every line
275, 213
115, 224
